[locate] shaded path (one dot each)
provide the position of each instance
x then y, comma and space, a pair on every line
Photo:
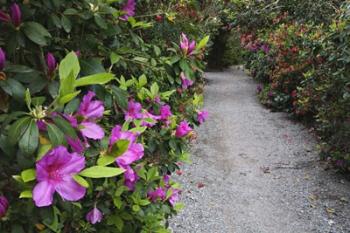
260, 171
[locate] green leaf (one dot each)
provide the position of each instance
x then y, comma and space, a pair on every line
65, 126
105, 160
80, 180
67, 98
154, 89
115, 58
43, 149
28, 99
94, 79
70, 64
121, 97
152, 174
36, 33
66, 24
100, 22
203, 43
101, 172
56, 136
26, 194
17, 130
28, 175
120, 147
30, 139
142, 81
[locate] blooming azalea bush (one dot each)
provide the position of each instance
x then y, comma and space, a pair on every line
95, 116
301, 68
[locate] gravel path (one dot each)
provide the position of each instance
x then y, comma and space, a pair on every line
255, 171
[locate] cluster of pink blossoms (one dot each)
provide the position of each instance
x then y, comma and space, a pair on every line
160, 193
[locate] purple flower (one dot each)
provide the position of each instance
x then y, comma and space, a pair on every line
2, 59
94, 216
165, 112
158, 194
134, 111
134, 151
265, 48
175, 196
186, 46
50, 63
166, 179
202, 116
270, 94
130, 178
259, 88
183, 129
54, 173
91, 109
16, 15
76, 144
186, 83
149, 120
4, 205
128, 9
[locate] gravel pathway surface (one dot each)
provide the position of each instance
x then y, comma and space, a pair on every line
255, 171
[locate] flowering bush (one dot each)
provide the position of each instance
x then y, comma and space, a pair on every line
302, 69
95, 115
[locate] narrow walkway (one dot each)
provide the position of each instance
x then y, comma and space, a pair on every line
255, 171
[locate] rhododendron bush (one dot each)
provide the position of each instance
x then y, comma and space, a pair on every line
95, 114
302, 66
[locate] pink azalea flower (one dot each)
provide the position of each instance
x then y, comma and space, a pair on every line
186, 46
165, 112
135, 150
183, 129
54, 173
158, 194
175, 196
134, 111
130, 178
149, 120
91, 109
4, 205
129, 9
94, 216
202, 116
76, 144
186, 83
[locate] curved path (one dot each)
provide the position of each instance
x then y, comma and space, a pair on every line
255, 171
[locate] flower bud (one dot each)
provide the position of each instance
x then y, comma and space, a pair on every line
16, 15
94, 216
50, 63
4, 205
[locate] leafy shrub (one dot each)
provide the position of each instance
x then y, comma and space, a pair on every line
95, 115
303, 68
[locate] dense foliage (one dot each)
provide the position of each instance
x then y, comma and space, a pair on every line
98, 101
303, 65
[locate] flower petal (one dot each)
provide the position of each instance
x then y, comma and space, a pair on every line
43, 194
92, 130
74, 166
70, 190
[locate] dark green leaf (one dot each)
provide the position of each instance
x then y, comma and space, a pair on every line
30, 139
